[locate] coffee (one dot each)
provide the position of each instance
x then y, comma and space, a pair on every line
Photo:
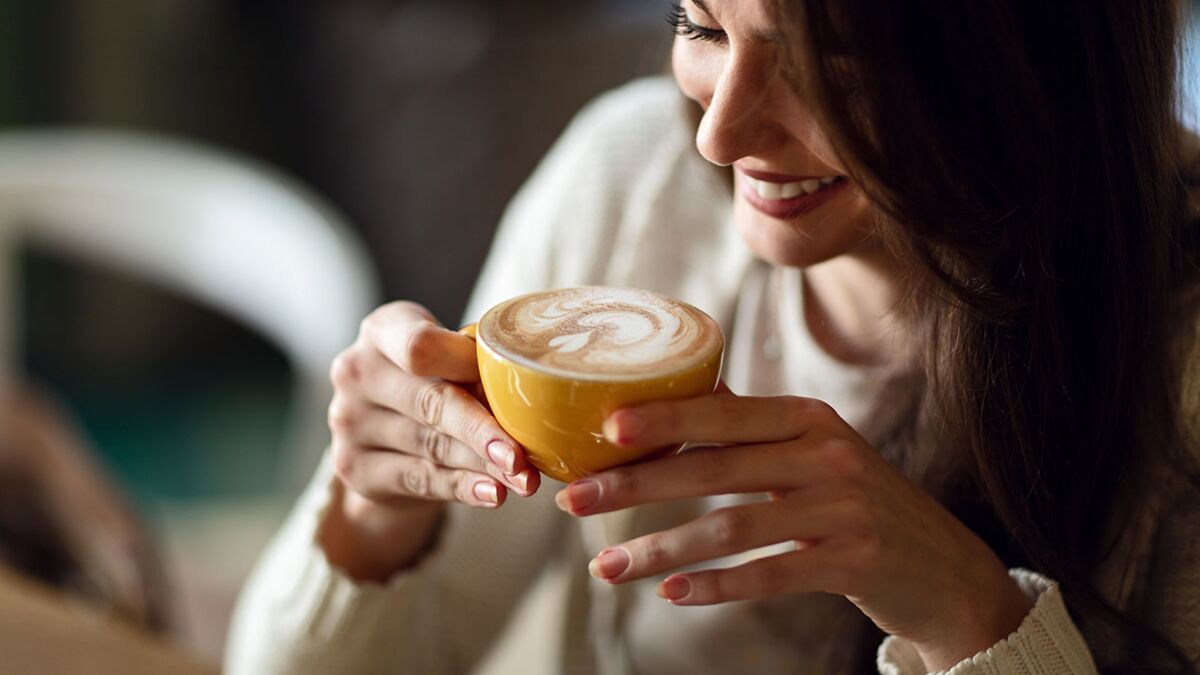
555, 365
599, 333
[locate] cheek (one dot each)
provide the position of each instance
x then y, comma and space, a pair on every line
803, 126
696, 70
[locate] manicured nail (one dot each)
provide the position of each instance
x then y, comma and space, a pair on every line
502, 456
578, 496
609, 564
485, 491
674, 588
520, 480
623, 427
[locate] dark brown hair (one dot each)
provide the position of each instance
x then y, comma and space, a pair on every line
1024, 156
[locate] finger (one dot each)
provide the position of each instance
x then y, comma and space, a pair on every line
385, 476
410, 337
377, 427
717, 534
809, 570
446, 407
717, 418
734, 469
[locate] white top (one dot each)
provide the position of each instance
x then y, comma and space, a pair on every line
623, 199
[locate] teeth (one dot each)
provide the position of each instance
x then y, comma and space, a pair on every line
769, 190
778, 191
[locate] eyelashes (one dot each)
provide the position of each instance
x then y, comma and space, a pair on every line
681, 25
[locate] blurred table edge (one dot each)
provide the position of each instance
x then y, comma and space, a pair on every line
43, 632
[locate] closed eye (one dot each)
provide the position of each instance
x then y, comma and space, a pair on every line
683, 26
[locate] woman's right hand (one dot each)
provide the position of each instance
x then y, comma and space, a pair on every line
408, 437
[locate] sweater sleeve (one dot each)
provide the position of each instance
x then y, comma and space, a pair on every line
298, 614
1047, 641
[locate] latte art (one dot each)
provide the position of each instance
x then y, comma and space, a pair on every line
601, 332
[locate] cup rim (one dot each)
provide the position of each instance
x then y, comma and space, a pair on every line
550, 371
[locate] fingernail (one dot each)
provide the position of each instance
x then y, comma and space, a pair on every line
609, 564
674, 588
521, 480
578, 496
502, 456
485, 491
623, 426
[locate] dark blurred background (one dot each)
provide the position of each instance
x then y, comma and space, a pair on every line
415, 119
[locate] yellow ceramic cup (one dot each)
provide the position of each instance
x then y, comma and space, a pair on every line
558, 419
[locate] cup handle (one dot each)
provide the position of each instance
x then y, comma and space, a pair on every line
469, 330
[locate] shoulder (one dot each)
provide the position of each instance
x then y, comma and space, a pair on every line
650, 108
620, 136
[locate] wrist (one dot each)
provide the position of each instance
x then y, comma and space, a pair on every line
371, 541
984, 616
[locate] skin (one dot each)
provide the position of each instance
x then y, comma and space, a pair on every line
410, 433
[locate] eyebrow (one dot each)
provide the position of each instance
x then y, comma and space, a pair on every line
758, 36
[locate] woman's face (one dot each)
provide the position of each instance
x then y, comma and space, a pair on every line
793, 203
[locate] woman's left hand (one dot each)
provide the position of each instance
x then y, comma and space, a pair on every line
861, 529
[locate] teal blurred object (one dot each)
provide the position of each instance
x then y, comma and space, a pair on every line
182, 403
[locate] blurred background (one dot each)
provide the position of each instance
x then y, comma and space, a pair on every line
200, 198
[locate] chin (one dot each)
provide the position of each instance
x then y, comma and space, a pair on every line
801, 242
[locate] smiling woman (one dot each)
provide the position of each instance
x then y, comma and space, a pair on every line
957, 268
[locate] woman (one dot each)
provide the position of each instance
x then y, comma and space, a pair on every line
967, 323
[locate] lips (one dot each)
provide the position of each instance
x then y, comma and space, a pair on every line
786, 197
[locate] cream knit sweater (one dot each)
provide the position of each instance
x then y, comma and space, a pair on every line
623, 199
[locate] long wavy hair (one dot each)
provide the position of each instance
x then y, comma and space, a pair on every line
1024, 157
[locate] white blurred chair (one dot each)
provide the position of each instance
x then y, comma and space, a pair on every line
234, 236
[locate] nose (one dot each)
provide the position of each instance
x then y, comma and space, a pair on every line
737, 119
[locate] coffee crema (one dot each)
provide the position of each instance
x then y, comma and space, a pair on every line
595, 332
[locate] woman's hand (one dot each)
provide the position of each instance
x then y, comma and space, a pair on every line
861, 529
409, 436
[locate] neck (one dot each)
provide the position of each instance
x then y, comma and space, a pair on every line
850, 304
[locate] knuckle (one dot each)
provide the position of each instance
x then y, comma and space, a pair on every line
344, 458
622, 483
420, 352
816, 407
344, 371
844, 460
435, 445
416, 481
477, 427
431, 403
804, 411
730, 528
367, 325
460, 485
341, 417
654, 551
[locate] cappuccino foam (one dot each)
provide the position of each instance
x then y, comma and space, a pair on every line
595, 332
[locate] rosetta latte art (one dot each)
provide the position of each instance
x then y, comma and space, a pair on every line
596, 331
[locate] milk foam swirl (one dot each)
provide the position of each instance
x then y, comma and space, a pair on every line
598, 331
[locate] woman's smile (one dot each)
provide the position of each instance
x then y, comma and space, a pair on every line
785, 197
